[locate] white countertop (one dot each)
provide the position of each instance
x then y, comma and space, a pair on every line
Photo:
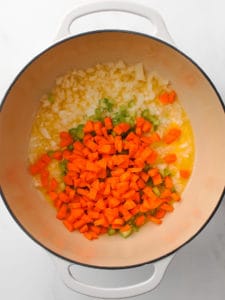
198, 29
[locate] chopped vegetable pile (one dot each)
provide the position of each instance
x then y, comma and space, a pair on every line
109, 167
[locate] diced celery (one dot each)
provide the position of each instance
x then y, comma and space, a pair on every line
127, 233
135, 228
77, 132
151, 118
149, 182
131, 103
50, 152
145, 114
99, 114
111, 231
156, 190
106, 104
146, 168
51, 98
70, 147
166, 172
63, 166
153, 211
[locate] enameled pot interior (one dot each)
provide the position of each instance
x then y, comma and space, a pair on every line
202, 105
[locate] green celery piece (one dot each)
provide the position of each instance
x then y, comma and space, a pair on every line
106, 104
63, 166
99, 114
50, 152
156, 191
166, 172
123, 115
51, 98
70, 147
131, 103
111, 231
149, 182
146, 168
135, 228
127, 233
77, 132
153, 211
151, 118
173, 190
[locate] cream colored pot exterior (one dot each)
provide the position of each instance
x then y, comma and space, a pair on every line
201, 102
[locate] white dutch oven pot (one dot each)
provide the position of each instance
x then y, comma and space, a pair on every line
201, 198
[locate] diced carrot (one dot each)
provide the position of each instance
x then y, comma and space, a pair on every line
53, 195
129, 204
175, 197
170, 158
44, 175
45, 158
160, 213
185, 174
99, 222
84, 228
96, 229
157, 179
166, 192
113, 202
146, 127
88, 127
108, 123
118, 221
152, 172
154, 220
90, 235
98, 127
125, 176
155, 137
168, 182
63, 197
167, 97
140, 121
74, 205
53, 184
141, 183
144, 176
68, 225
167, 207
126, 227
105, 149
118, 143
140, 220
135, 170
93, 214
172, 135
152, 158
78, 224
62, 212
121, 128
135, 210
57, 203
65, 139
57, 155
77, 212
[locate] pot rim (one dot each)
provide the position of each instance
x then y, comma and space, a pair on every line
91, 33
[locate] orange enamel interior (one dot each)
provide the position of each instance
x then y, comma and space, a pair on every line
198, 98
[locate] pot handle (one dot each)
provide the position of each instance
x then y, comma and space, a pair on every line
129, 7
108, 293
